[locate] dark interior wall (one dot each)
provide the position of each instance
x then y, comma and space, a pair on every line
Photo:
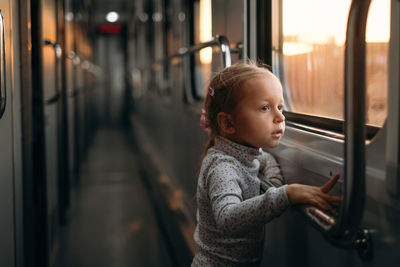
176, 134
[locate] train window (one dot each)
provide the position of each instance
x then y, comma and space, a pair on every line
202, 23
308, 56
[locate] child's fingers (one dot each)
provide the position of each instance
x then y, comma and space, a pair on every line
323, 205
320, 202
329, 202
328, 186
328, 207
333, 199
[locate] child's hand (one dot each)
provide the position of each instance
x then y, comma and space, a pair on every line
316, 196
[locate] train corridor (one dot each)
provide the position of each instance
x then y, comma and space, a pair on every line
112, 221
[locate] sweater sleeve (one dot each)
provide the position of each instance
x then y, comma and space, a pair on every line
271, 171
233, 214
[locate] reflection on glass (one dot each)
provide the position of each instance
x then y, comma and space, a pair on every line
312, 55
203, 33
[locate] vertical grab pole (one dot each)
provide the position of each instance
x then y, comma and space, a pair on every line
3, 97
355, 91
347, 231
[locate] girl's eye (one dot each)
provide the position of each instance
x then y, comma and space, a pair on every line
265, 108
280, 107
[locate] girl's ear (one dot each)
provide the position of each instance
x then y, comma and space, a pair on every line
225, 123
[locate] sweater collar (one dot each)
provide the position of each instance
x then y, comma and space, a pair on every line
248, 156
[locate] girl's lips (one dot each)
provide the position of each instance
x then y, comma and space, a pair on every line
277, 134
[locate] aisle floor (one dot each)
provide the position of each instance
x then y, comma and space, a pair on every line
112, 221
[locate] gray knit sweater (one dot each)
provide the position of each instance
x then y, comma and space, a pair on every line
239, 190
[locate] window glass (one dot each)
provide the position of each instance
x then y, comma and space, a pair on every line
308, 56
202, 33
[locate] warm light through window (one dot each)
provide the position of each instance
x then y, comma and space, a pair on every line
293, 48
378, 23
205, 30
329, 25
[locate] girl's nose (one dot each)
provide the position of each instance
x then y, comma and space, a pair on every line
279, 117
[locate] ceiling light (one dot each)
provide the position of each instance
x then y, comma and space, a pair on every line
112, 16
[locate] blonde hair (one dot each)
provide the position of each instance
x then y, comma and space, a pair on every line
224, 92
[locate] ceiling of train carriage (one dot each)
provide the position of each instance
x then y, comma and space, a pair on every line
125, 9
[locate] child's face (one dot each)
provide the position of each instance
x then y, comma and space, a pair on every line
258, 118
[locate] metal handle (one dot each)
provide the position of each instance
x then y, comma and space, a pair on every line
217, 40
3, 98
319, 218
56, 47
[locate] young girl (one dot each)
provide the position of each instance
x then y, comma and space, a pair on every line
240, 187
